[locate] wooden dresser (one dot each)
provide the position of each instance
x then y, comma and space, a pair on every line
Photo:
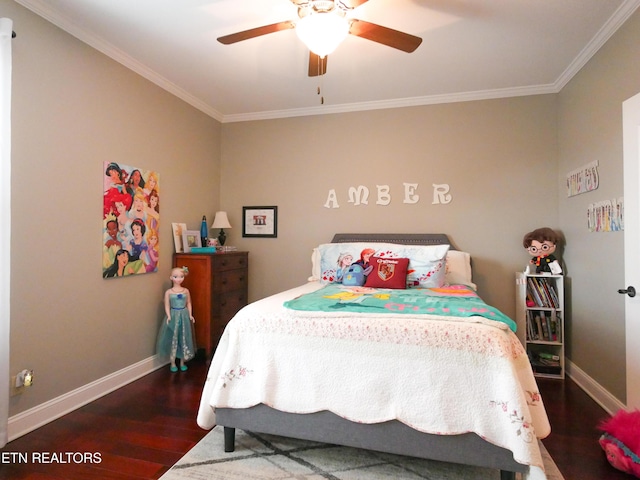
218, 284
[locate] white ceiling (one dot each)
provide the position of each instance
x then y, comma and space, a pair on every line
471, 49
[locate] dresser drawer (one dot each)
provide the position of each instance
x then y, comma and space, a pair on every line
230, 280
229, 261
227, 304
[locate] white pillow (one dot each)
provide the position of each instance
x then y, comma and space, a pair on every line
458, 271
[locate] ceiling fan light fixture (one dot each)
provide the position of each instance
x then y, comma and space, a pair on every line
322, 32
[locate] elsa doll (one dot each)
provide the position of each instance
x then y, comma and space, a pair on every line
175, 338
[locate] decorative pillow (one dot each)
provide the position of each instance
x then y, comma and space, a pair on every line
354, 276
458, 271
388, 273
426, 263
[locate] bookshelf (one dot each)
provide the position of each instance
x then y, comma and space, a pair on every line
540, 318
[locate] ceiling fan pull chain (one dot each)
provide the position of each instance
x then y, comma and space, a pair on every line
320, 77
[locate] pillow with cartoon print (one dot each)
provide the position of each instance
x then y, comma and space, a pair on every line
332, 260
426, 268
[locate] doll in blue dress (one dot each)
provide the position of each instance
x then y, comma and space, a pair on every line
176, 339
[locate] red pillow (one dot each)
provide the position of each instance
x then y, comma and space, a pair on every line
388, 273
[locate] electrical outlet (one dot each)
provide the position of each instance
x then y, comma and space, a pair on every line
19, 382
13, 389
27, 379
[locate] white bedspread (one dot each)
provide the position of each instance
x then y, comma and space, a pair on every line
437, 376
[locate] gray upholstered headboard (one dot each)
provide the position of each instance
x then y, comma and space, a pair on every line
401, 238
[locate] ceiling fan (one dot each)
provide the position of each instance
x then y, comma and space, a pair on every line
329, 17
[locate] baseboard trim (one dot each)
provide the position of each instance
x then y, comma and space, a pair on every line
42, 414
592, 388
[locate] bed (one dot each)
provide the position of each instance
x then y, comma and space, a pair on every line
412, 380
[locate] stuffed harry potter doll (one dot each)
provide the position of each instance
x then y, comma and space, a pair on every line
541, 244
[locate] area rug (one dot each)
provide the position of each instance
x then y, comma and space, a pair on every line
269, 457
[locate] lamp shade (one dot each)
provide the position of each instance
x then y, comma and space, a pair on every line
322, 32
221, 221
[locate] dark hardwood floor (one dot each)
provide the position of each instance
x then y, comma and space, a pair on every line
139, 430
142, 429
573, 442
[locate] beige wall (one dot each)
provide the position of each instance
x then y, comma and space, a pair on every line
589, 129
498, 157
73, 109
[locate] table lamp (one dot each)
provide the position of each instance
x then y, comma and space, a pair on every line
221, 221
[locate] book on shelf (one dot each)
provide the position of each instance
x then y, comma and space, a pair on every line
556, 326
530, 300
539, 327
549, 356
543, 325
531, 331
532, 288
534, 326
543, 292
546, 334
552, 326
555, 300
546, 288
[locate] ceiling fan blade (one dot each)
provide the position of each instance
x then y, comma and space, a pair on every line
317, 65
256, 32
353, 3
386, 36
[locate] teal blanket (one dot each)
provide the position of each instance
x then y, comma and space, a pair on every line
450, 301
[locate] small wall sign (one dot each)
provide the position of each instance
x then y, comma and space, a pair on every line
606, 216
582, 180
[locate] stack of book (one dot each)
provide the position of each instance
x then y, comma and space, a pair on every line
544, 362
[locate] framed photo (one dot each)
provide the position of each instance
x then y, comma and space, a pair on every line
260, 222
178, 228
190, 239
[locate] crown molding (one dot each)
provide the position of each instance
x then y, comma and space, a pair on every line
395, 103
625, 10
620, 16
